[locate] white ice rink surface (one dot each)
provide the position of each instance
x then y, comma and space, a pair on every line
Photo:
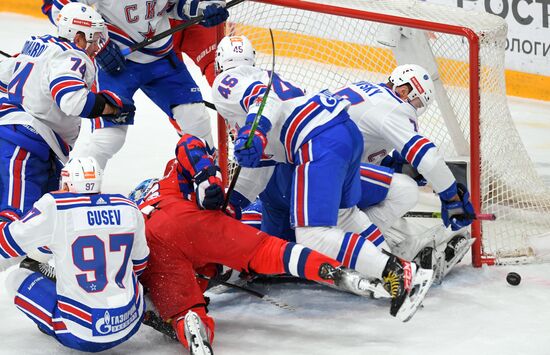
473, 312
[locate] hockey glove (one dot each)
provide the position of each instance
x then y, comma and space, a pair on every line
237, 202
125, 109
458, 214
402, 166
10, 214
250, 157
208, 188
110, 59
214, 11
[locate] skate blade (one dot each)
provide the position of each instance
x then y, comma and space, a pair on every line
197, 345
373, 290
441, 272
422, 282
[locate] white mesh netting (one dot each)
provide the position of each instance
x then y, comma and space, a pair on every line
320, 51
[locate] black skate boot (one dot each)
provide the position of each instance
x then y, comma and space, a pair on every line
397, 277
36, 266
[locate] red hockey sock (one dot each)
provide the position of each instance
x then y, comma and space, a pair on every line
179, 324
275, 256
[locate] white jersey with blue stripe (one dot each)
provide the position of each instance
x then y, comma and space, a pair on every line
387, 123
130, 22
293, 116
99, 247
50, 80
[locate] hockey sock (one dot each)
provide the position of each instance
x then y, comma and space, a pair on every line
275, 256
179, 324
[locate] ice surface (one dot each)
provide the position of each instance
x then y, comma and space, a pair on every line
473, 312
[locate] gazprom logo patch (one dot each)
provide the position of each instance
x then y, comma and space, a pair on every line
114, 320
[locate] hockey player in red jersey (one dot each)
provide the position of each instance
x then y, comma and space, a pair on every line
184, 238
199, 43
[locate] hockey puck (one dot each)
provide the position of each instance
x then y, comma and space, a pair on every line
513, 278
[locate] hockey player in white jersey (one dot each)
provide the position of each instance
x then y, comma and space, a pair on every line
155, 69
48, 87
314, 135
386, 115
99, 249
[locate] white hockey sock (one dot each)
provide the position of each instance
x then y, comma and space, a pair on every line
351, 249
104, 143
193, 119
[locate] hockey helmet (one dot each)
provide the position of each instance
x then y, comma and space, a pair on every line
140, 192
420, 82
82, 175
76, 17
234, 51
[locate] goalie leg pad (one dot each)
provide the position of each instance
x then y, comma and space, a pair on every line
450, 254
407, 239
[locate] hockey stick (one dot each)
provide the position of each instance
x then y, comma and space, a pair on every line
210, 105
254, 124
154, 321
180, 27
250, 291
423, 214
5, 54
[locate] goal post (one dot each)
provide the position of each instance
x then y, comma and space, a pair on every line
328, 44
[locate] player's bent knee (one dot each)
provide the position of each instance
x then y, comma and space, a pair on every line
403, 191
14, 281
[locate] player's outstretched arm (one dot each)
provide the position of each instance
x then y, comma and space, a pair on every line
33, 230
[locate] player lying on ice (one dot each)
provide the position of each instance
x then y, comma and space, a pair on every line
386, 114
99, 248
186, 231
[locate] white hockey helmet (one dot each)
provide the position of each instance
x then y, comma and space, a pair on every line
420, 81
234, 51
82, 175
76, 17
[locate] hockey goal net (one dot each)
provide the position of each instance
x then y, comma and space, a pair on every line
327, 44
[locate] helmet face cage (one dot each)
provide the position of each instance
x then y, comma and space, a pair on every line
140, 192
76, 17
82, 175
233, 51
421, 84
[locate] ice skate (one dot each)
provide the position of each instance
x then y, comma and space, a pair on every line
195, 333
349, 280
36, 266
407, 284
